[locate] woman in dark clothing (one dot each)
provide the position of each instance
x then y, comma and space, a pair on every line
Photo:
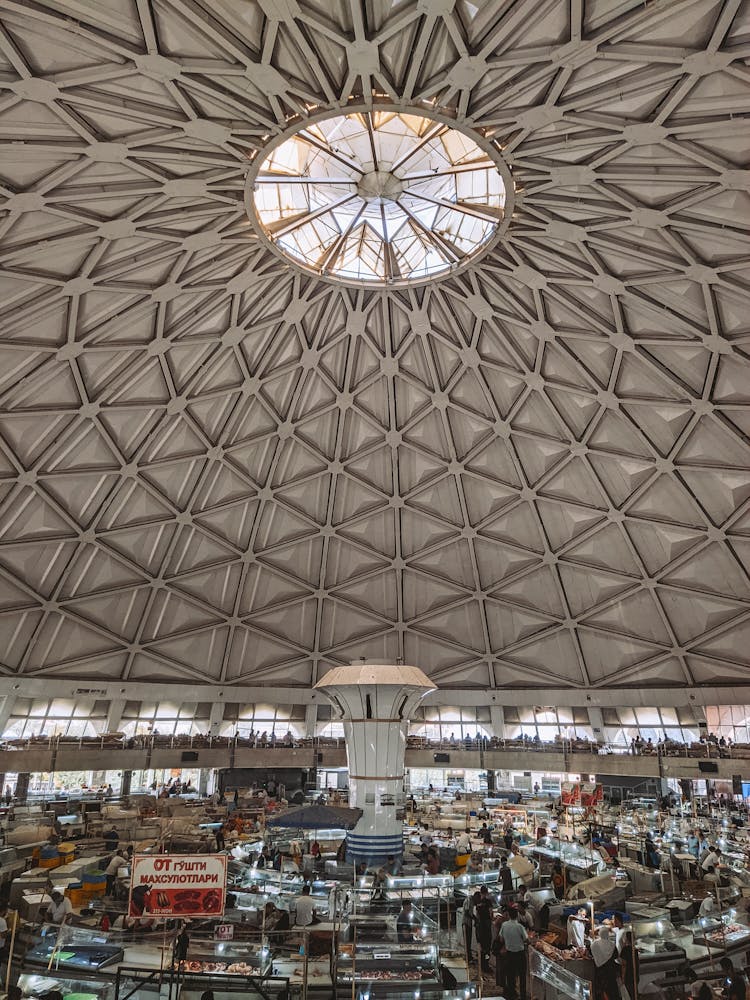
735, 984
181, 946
483, 916
629, 965
469, 919
506, 876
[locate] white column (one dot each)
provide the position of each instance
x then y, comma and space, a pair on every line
5, 711
311, 720
114, 715
215, 718
596, 718
374, 702
497, 721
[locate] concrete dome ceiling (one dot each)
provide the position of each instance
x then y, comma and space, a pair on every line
216, 468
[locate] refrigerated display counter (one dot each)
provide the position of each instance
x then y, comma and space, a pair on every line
384, 969
72, 948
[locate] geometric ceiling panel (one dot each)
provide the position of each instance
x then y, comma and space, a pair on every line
219, 467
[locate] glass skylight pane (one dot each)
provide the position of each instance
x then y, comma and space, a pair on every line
368, 196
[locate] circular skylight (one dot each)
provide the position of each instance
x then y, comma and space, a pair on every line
378, 196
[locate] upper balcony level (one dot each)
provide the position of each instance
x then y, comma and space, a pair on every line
115, 751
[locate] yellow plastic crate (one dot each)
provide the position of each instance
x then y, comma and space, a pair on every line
78, 897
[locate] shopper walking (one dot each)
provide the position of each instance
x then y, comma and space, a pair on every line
468, 919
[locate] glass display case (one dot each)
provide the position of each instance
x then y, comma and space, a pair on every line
229, 961
242, 875
719, 933
464, 991
474, 880
385, 968
249, 905
138, 983
35, 985
228, 958
378, 924
80, 949
659, 944
580, 862
417, 887
418, 883
558, 980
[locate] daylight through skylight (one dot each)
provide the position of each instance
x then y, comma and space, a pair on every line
379, 197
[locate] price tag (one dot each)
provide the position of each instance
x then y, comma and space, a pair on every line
224, 932
381, 954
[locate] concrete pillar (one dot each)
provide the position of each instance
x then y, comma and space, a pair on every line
203, 776
497, 721
127, 779
5, 711
596, 718
114, 715
311, 720
701, 723
375, 703
215, 718
22, 786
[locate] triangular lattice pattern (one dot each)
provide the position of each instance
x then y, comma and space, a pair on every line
216, 469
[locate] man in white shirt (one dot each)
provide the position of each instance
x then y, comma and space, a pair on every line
116, 863
711, 860
706, 907
621, 931
59, 907
514, 938
463, 844
304, 909
576, 927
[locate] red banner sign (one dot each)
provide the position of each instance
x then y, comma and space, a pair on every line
591, 794
570, 793
178, 885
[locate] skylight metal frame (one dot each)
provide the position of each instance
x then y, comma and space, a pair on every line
332, 257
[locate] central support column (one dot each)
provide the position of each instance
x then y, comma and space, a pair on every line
374, 702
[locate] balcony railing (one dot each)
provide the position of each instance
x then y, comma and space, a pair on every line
709, 748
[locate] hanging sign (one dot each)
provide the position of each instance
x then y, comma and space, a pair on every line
570, 793
178, 885
591, 793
